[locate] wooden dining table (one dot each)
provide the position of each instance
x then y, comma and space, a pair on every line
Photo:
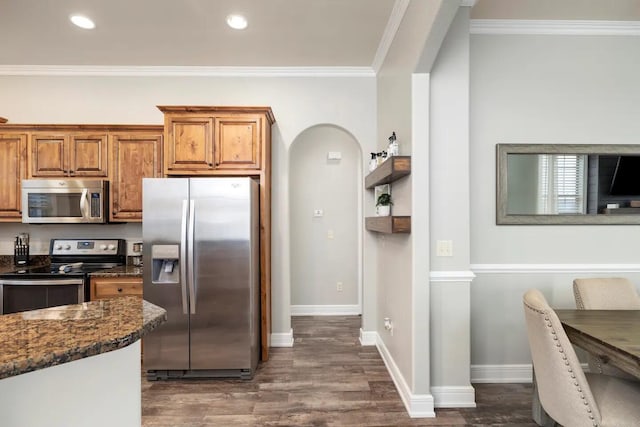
613, 335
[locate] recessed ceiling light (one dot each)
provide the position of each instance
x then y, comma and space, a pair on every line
82, 22
237, 22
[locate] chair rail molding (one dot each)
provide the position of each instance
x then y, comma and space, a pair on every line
466, 276
553, 268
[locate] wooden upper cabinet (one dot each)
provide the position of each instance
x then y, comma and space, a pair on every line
189, 143
13, 169
216, 140
68, 155
134, 156
49, 155
237, 142
88, 155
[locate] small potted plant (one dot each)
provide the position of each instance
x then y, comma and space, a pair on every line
383, 205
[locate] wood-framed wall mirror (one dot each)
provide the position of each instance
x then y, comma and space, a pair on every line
563, 184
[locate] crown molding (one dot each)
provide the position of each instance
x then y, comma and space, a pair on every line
171, 71
555, 27
397, 13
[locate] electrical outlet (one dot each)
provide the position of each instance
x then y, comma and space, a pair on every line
330, 235
339, 286
317, 213
388, 325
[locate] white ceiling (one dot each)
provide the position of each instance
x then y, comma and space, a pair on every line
281, 33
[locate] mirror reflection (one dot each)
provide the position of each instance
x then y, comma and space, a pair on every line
546, 184
568, 184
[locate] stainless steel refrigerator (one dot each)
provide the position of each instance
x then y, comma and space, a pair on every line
201, 264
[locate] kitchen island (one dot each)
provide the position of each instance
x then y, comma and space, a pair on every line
74, 365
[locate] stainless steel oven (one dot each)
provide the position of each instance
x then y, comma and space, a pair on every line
65, 280
64, 201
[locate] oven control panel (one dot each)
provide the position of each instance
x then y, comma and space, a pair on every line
85, 247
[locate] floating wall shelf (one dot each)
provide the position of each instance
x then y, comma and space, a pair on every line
389, 171
388, 224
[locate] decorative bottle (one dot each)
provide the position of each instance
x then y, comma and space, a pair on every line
373, 162
393, 149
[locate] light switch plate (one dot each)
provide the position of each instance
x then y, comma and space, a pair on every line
444, 248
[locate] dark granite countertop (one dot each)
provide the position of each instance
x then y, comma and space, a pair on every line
38, 339
124, 271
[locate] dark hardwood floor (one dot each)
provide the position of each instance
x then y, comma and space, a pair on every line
326, 379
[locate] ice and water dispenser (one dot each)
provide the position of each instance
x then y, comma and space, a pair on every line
165, 267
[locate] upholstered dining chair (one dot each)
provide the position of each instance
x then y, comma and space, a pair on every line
570, 396
605, 293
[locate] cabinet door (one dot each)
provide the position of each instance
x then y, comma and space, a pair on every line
13, 167
237, 143
113, 287
88, 155
134, 156
49, 155
189, 145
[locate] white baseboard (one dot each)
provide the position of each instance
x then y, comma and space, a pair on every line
325, 310
454, 396
282, 339
501, 373
505, 373
417, 405
368, 337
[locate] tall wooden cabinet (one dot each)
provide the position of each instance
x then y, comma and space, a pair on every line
227, 141
13, 168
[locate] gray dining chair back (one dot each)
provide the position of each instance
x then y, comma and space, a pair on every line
605, 293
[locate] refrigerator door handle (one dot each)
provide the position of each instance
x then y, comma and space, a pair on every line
183, 258
191, 233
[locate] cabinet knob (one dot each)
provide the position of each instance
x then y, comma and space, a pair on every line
210, 165
119, 289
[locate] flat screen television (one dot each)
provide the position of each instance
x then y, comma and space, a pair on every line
626, 177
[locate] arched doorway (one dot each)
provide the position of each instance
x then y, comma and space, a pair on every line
325, 175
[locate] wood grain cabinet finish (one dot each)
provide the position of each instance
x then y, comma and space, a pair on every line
237, 142
114, 287
133, 156
13, 169
69, 155
216, 140
189, 144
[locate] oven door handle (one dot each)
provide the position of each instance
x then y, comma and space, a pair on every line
41, 282
84, 203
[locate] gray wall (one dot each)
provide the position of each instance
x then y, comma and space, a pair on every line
542, 89
324, 250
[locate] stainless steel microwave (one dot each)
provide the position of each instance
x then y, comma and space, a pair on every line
61, 201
